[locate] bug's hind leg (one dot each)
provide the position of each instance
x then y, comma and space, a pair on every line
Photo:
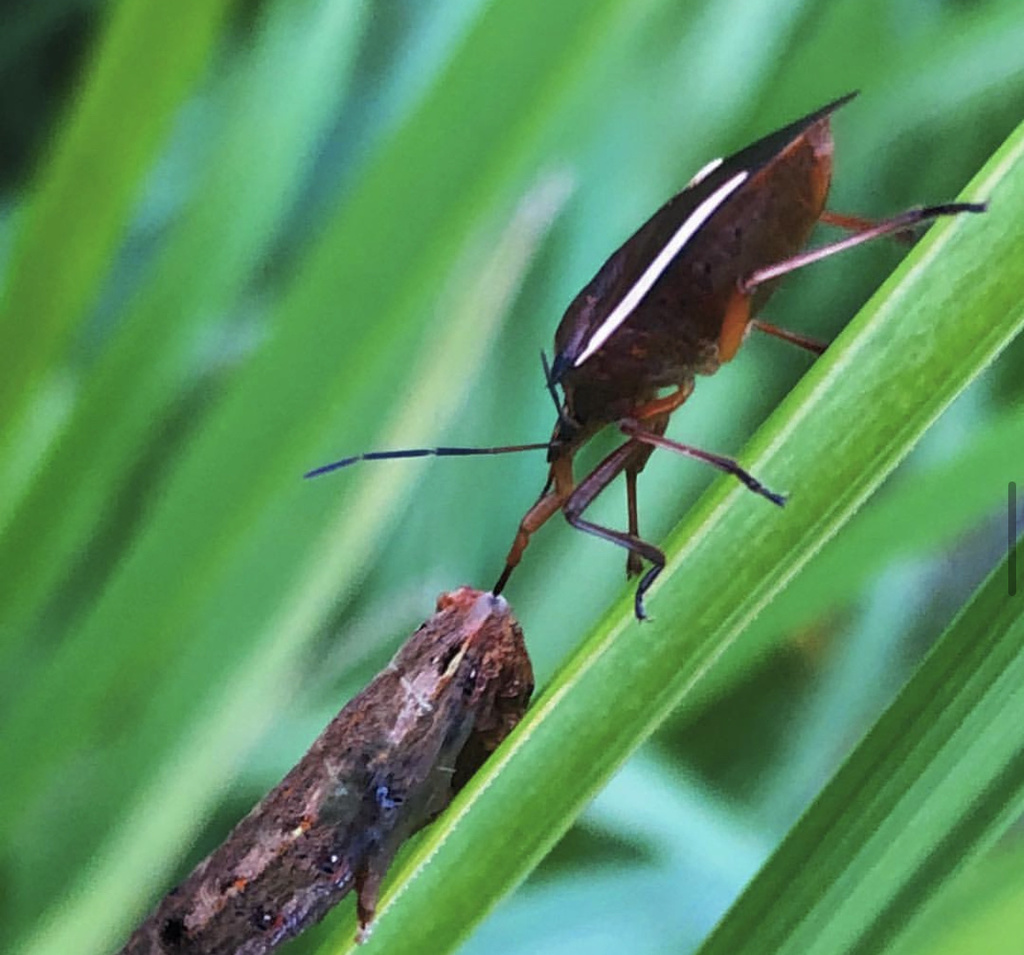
842, 220
899, 227
894, 225
814, 345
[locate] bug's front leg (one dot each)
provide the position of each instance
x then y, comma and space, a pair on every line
557, 490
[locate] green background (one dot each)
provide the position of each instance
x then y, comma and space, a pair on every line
240, 240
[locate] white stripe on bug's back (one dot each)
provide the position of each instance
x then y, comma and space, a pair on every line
662, 261
704, 172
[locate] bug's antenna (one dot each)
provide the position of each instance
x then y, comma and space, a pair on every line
567, 425
549, 381
424, 452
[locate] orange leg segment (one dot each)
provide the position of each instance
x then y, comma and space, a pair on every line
557, 490
663, 406
806, 342
859, 224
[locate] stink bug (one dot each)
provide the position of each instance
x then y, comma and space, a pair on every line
676, 300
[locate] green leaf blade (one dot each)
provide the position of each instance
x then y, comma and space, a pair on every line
934, 783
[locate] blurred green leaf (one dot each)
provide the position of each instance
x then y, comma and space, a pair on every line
247, 186
148, 62
217, 520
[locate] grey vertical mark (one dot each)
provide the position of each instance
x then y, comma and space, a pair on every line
1011, 514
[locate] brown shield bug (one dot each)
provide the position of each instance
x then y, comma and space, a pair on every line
676, 300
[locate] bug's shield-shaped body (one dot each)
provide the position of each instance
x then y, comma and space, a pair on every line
385, 766
666, 306
676, 301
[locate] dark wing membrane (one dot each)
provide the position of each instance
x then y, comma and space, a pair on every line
756, 155
622, 270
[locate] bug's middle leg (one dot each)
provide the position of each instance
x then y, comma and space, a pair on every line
738, 321
719, 461
584, 494
807, 342
655, 415
634, 565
